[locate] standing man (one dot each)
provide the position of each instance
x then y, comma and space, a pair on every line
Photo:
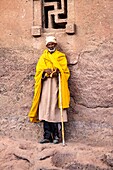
45, 106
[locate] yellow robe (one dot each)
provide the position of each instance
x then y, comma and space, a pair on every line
52, 61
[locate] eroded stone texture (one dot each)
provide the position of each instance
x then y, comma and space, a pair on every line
16, 87
90, 57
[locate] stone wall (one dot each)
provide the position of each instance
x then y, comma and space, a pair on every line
90, 56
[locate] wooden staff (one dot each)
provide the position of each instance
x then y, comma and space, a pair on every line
60, 103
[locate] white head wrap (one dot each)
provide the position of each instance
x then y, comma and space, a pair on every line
50, 39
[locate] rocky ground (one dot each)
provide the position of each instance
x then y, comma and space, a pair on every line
31, 155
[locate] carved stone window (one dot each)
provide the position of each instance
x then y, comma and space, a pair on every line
53, 15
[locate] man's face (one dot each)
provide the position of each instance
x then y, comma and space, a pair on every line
51, 46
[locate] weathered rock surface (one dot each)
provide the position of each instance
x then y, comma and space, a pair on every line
108, 159
26, 154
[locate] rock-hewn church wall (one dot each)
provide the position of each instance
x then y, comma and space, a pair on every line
89, 50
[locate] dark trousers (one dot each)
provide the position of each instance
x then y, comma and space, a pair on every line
50, 130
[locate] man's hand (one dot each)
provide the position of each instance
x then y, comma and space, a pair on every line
55, 73
48, 71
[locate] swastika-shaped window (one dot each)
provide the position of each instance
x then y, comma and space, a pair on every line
55, 14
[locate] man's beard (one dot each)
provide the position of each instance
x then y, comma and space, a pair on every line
51, 50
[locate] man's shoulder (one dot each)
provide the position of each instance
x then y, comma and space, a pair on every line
57, 53
43, 53
60, 53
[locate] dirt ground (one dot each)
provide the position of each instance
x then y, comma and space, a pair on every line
31, 155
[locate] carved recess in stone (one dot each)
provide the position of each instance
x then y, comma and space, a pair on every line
53, 15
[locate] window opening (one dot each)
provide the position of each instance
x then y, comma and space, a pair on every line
55, 14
